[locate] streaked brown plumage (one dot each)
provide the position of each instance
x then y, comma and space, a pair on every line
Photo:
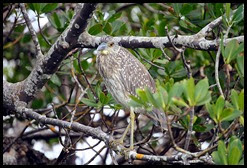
123, 73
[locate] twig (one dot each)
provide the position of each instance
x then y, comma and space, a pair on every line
149, 61
166, 56
83, 91
187, 141
217, 64
40, 30
84, 75
186, 64
98, 153
17, 137
32, 31
181, 51
11, 30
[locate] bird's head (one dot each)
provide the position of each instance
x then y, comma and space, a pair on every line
106, 48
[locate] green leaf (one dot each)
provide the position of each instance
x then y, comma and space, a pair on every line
176, 91
177, 7
240, 65
136, 99
229, 50
228, 9
189, 90
179, 102
102, 98
211, 112
186, 8
234, 151
229, 114
142, 94
163, 96
222, 45
199, 128
84, 65
55, 79
150, 97
135, 102
238, 50
114, 17
222, 152
161, 61
234, 156
239, 14
218, 107
241, 120
90, 94
96, 29
89, 102
205, 100
241, 100
216, 158
234, 99
55, 21
201, 90
49, 7
107, 28
36, 7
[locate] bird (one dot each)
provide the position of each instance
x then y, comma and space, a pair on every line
122, 74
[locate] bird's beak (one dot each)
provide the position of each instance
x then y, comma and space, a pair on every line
102, 48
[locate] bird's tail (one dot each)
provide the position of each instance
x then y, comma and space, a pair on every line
159, 118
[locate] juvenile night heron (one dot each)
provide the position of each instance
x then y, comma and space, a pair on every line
123, 73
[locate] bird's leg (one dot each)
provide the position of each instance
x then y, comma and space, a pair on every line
120, 140
130, 126
132, 123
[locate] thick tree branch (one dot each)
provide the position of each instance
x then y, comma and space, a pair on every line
196, 41
190, 41
25, 91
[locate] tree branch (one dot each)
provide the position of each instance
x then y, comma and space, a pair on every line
32, 31
188, 41
25, 91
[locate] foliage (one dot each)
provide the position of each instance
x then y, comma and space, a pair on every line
229, 155
175, 94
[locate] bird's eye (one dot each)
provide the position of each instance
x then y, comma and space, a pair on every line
111, 44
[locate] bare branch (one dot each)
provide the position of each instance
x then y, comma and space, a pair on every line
32, 31
188, 136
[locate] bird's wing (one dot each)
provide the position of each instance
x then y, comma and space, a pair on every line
134, 74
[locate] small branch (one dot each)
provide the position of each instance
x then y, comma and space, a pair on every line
186, 64
16, 138
32, 31
125, 6
166, 56
217, 72
217, 64
187, 141
11, 30
40, 30
84, 74
177, 157
149, 61
98, 153
181, 51
209, 27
